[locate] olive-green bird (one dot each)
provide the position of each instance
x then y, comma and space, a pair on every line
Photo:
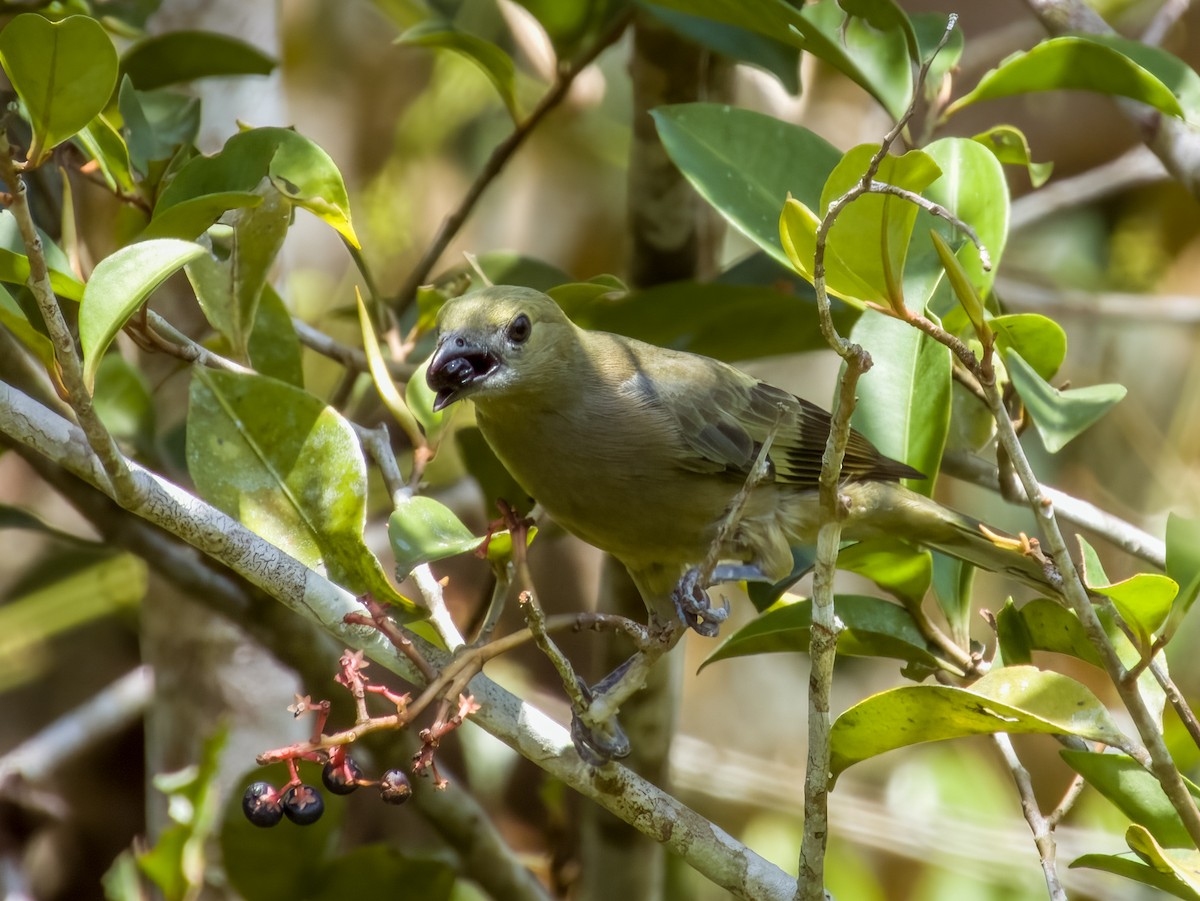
640, 450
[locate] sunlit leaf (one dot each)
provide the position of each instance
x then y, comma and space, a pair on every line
1059, 416
896, 567
64, 72
423, 530
1143, 600
119, 285
1039, 340
1011, 147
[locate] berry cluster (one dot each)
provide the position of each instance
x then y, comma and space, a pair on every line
264, 805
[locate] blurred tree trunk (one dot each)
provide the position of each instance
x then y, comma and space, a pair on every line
673, 236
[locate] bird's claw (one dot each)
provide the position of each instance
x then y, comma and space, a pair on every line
598, 743
694, 608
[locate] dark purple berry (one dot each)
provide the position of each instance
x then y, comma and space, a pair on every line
303, 805
343, 778
394, 787
261, 804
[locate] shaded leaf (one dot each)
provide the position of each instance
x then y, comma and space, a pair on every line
1016, 644
64, 72
1059, 416
14, 265
491, 60
874, 628
1182, 863
274, 346
422, 530
953, 581
1019, 699
896, 567
119, 285
1132, 868
1052, 627
744, 163
178, 56
382, 379
1183, 565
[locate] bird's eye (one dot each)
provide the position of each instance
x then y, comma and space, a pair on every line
519, 329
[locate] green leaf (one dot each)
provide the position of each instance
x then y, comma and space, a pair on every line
776, 57
274, 345
1017, 699
423, 530
119, 285
896, 567
868, 244
289, 468
189, 219
104, 144
124, 403
952, 587
1059, 416
1016, 644
573, 26
13, 318
419, 399
904, 401
1039, 340
179, 56
1183, 565
1132, 868
1182, 863
1086, 64
1052, 627
1011, 147
382, 379
229, 278
873, 628
64, 72
14, 265
744, 164
491, 60
298, 168
1134, 791
885, 15
1143, 600
971, 302
156, 124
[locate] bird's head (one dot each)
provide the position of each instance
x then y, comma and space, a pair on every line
493, 342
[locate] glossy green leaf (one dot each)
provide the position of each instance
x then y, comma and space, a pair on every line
191, 218
1010, 146
1018, 699
744, 164
868, 244
904, 401
896, 567
1052, 627
156, 124
1143, 600
119, 285
885, 15
873, 628
179, 56
274, 345
104, 144
974, 189
14, 265
298, 168
1132, 868
776, 57
290, 469
1182, 863
491, 60
572, 27
1059, 416
423, 530
13, 318
229, 278
1086, 64
419, 399
1039, 340
64, 72
1183, 565
1135, 791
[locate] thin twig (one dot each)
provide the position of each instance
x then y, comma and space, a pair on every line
1043, 831
936, 209
498, 160
70, 368
350, 357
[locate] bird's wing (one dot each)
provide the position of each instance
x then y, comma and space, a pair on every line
725, 415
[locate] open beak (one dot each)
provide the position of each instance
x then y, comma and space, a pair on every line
457, 365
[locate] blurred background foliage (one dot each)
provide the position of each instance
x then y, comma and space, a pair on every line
1115, 258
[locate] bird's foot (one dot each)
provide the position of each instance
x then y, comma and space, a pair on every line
598, 740
694, 608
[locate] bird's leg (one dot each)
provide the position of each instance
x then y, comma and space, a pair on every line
694, 607
597, 735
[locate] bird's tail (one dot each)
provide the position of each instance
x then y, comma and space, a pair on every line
889, 509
